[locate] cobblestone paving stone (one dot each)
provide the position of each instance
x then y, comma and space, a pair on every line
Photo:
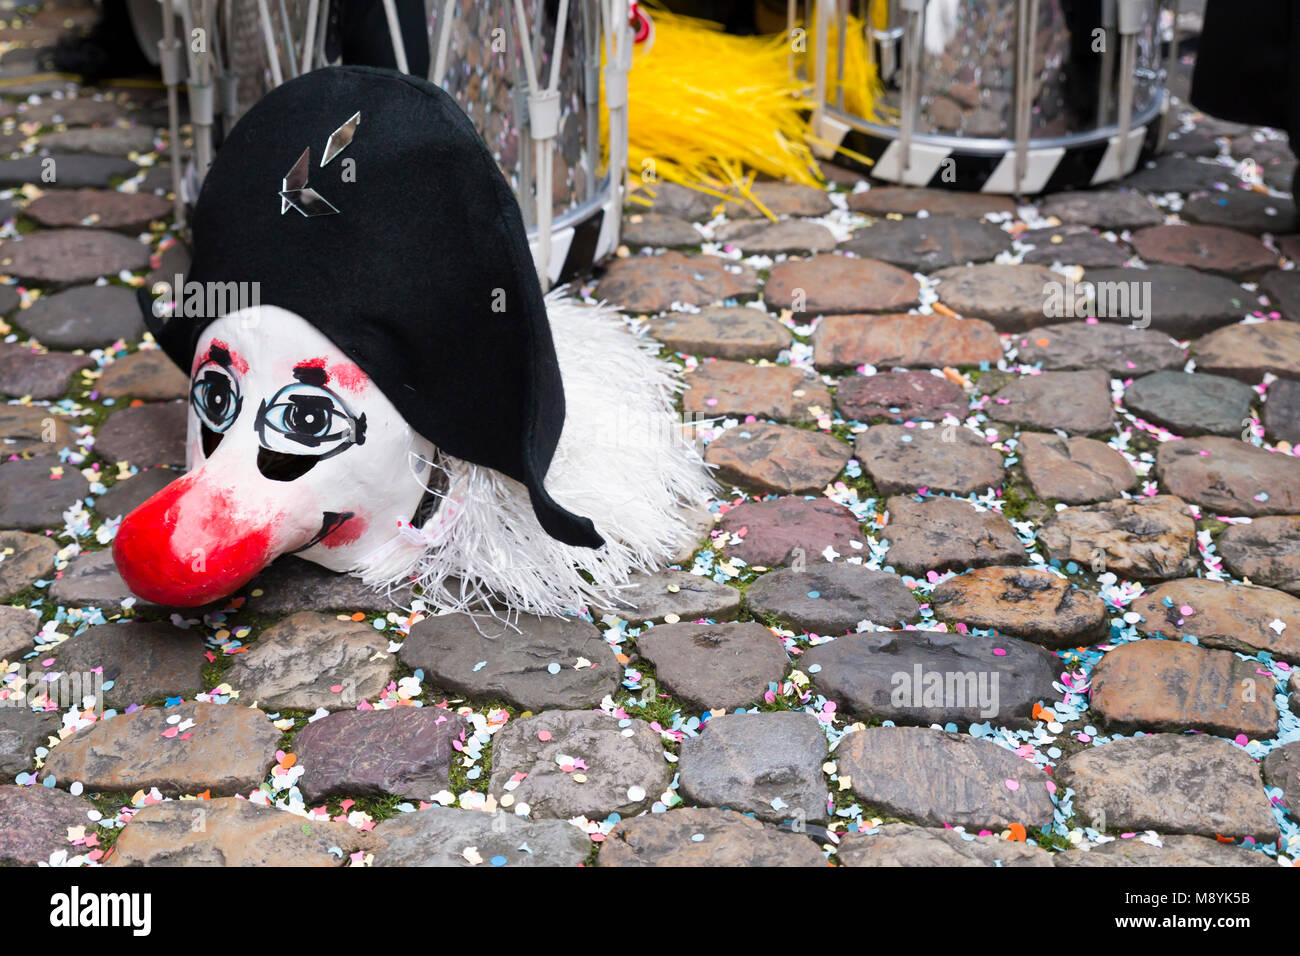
1076, 245
1180, 784
946, 534
863, 672
769, 765
1119, 349
1083, 572
231, 832
777, 459
899, 844
534, 663
701, 837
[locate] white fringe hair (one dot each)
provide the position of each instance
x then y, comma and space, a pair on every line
624, 460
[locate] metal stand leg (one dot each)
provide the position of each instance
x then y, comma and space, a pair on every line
910, 105
395, 34
1106, 92
618, 61
1025, 38
543, 125
169, 58
268, 34
200, 90
825, 12
1130, 22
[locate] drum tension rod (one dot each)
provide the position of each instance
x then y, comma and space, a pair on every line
1130, 23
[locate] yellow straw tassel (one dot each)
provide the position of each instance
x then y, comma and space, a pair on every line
860, 83
709, 110
706, 108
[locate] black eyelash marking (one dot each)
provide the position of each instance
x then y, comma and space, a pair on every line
311, 375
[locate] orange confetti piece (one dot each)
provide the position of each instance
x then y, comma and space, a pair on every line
1017, 832
1042, 713
1223, 839
288, 761
359, 616
1042, 342
944, 310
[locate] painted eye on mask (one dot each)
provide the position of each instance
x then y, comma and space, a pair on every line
308, 420
216, 400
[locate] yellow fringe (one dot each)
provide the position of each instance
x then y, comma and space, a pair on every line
711, 111
861, 82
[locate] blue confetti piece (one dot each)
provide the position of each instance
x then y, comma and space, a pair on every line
498, 861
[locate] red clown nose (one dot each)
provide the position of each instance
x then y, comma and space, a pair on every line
187, 546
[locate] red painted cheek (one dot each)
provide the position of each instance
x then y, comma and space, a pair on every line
180, 548
349, 533
350, 377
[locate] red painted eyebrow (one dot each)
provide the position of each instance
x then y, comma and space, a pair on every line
235, 359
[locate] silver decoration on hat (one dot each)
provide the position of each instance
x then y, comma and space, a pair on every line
341, 138
294, 191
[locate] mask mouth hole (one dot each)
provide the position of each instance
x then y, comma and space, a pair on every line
210, 439
278, 466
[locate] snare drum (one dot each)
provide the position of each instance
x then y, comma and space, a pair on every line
1002, 96
544, 82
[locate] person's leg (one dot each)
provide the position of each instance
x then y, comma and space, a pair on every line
110, 49
1243, 62
365, 40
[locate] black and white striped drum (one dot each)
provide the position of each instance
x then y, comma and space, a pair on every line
1002, 96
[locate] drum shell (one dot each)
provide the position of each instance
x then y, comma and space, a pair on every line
969, 91
484, 71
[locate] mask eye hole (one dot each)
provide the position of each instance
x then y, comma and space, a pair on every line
280, 467
215, 397
304, 419
210, 439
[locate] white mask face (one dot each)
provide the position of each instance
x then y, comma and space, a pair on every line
292, 448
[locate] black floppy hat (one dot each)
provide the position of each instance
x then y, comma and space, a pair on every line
418, 270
